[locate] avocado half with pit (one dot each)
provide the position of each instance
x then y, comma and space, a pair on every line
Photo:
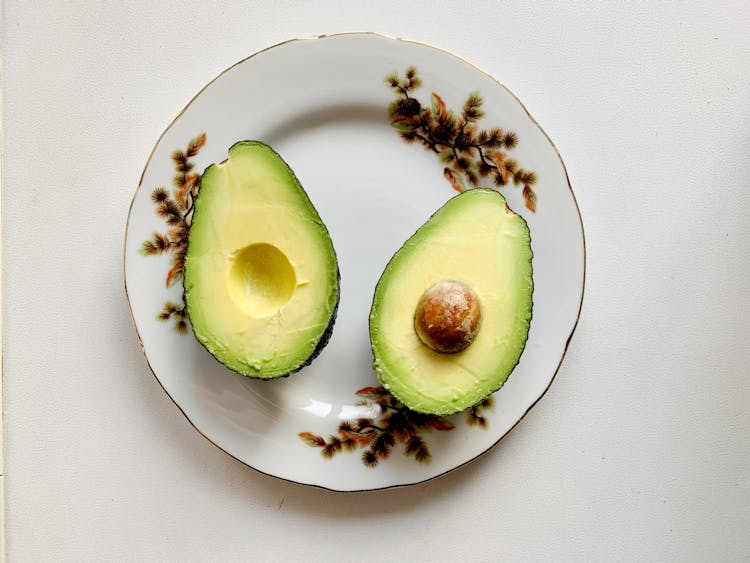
261, 276
451, 313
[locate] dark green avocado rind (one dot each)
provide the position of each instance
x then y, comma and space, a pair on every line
448, 411
324, 339
326, 334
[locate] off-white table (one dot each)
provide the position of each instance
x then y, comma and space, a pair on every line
641, 449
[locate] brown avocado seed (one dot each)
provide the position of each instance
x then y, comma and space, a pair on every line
447, 316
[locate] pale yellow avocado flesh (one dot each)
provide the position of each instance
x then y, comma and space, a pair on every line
261, 276
475, 239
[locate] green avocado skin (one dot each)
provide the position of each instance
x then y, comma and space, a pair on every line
248, 159
474, 238
325, 338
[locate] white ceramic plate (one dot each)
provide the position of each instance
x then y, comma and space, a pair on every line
323, 104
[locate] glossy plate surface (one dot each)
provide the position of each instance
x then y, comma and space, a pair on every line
323, 104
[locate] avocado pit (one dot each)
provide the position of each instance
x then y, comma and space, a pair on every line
447, 316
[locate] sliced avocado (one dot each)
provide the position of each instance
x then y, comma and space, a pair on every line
451, 312
261, 276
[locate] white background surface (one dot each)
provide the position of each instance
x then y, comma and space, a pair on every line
641, 448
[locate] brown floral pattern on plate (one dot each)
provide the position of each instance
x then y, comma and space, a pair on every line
176, 208
395, 424
471, 155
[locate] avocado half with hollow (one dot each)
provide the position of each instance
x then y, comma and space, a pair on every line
451, 312
261, 276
